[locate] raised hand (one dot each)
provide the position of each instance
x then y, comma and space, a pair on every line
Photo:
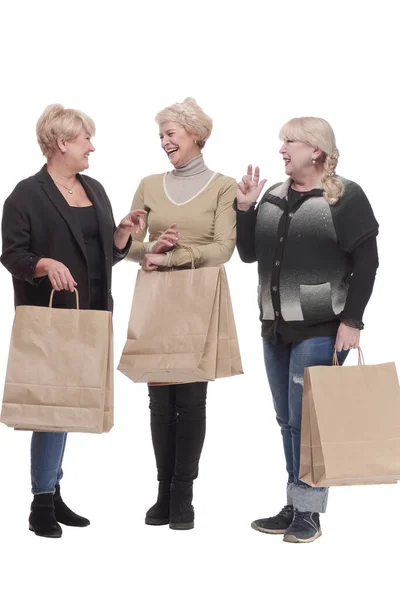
249, 189
166, 241
134, 221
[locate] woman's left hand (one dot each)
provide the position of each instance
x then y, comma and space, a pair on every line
347, 338
134, 221
151, 262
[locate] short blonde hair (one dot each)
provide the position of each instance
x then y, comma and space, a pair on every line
58, 122
319, 134
190, 116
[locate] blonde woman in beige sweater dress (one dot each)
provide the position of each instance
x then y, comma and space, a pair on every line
189, 206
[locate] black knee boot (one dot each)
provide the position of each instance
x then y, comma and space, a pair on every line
190, 434
65, 515
42, 520
158, 514
163, 435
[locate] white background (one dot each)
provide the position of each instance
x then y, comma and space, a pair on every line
252, 66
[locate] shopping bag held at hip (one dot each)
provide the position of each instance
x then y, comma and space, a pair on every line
60, 370
350, 431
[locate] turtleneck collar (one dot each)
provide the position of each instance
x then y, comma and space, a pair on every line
195, 166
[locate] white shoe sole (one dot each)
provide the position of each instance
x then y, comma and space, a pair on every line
270, 531
292, 539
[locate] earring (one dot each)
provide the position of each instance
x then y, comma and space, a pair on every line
313, 161
195, 141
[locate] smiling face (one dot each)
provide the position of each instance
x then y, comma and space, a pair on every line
76, 151
179, 145
298, 157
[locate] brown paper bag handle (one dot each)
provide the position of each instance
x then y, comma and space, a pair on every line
190, 252
361, 360
76, 297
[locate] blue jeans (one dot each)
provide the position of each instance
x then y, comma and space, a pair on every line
47, 448
285, 364
47, 453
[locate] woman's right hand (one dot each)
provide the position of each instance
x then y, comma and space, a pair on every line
58, 274
166, 241
249, 189
151, 262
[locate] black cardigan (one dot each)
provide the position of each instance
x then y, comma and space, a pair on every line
316, 262
38, 223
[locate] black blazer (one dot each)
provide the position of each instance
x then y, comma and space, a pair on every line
38, 223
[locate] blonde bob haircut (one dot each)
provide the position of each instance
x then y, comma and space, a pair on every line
57, 123
318, 134
190, 116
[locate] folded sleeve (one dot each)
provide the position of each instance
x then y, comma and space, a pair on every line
118, 253
17, 256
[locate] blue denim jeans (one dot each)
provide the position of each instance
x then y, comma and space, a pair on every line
285, 364
47, 453
47, 448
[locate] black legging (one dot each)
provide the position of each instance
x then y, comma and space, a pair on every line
178, 428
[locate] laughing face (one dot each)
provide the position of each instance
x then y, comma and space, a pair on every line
179, 145
298, 157
78, 151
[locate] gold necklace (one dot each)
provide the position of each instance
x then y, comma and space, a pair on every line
69, 190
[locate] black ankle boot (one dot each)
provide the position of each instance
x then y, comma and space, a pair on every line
42, 520
181, 509
65, 515
158, 514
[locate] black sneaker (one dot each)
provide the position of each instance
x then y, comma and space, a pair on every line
305, 528
277, 524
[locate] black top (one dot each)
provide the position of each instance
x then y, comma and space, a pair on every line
89, 225
38, 222
317, 262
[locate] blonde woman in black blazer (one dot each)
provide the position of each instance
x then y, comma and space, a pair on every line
58, 233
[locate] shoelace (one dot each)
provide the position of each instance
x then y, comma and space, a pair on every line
286, 511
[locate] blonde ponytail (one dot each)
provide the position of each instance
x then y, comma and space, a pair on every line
333, 187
